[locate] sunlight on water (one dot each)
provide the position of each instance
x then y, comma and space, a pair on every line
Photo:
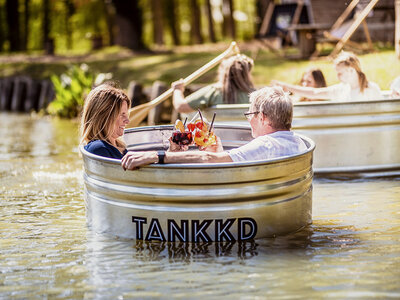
351, 250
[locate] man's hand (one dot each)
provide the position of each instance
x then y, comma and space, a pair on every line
173, 147
217, 147
133, 160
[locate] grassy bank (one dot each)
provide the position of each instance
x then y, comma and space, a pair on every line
381, 67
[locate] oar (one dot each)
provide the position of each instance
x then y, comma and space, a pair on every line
138, 113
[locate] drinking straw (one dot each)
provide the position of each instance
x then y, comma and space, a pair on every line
201, 116
212, 123
184, 123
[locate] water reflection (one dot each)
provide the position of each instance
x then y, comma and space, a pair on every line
351, 250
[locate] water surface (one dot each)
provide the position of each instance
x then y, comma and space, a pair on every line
352, 249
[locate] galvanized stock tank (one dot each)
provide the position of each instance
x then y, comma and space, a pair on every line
198, 202
359, 137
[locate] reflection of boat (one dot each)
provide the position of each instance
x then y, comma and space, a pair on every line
198, 202
350, 137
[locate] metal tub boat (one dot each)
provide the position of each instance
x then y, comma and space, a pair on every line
198, 202
352, 138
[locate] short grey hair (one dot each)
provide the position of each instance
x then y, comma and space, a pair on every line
275, 104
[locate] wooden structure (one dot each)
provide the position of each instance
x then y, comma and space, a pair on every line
336, 22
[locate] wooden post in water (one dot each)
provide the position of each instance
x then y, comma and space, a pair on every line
18, 94
32, 95
46, 94
135, 93
154, 116
6, 93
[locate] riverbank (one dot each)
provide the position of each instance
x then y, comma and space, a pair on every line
167, 66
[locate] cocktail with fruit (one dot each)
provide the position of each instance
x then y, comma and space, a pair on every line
181, 136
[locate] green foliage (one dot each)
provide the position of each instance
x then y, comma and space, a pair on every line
71, 89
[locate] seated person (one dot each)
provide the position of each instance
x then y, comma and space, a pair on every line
105, 115
270, 117
395, 88
354, 85
233, 86
312, 78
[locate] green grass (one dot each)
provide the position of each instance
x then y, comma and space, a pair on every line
381, 67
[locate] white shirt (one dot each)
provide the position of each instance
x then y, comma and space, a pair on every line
277, 144
343, 92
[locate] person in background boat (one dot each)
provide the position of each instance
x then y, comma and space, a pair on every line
233, 86
270, 117
312, 78
395, 88
353, 85
105, 115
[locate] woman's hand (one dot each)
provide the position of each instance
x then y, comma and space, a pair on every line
133, 160
173, 147
178, 85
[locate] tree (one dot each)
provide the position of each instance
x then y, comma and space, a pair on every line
196, 36
129, 22
170, 11
211, 32
14, 36
70, 10
26, 25
229, 22
156, 9
48, 44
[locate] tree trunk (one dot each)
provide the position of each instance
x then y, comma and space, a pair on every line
129, 22
211, 32
70, 10
156, 9
26, 26
13, 25
48, 43
170, 10
229, 22
2, 31
397, 28
196, 23
110, 20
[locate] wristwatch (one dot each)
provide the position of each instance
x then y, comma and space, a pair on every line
161, 156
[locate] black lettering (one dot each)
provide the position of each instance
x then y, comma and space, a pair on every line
222, 230
198, 231
155, 232
242, 223
139, 226
175, 231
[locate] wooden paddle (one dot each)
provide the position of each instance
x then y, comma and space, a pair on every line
138, 113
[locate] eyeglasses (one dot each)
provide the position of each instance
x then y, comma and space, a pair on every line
249, 114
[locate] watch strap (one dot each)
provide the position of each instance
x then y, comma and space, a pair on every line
161, 156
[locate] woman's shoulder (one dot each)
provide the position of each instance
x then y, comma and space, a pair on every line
102, 148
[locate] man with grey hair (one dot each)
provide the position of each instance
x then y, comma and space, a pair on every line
270, 118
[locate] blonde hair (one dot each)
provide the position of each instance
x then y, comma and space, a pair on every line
275, 104
234, 76
349, 59
100, 111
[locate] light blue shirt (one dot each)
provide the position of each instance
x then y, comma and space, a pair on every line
273, 145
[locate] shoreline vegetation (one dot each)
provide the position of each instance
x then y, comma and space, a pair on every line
167, 65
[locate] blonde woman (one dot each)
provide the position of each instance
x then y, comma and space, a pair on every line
353, 85
105, 115
233, 86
